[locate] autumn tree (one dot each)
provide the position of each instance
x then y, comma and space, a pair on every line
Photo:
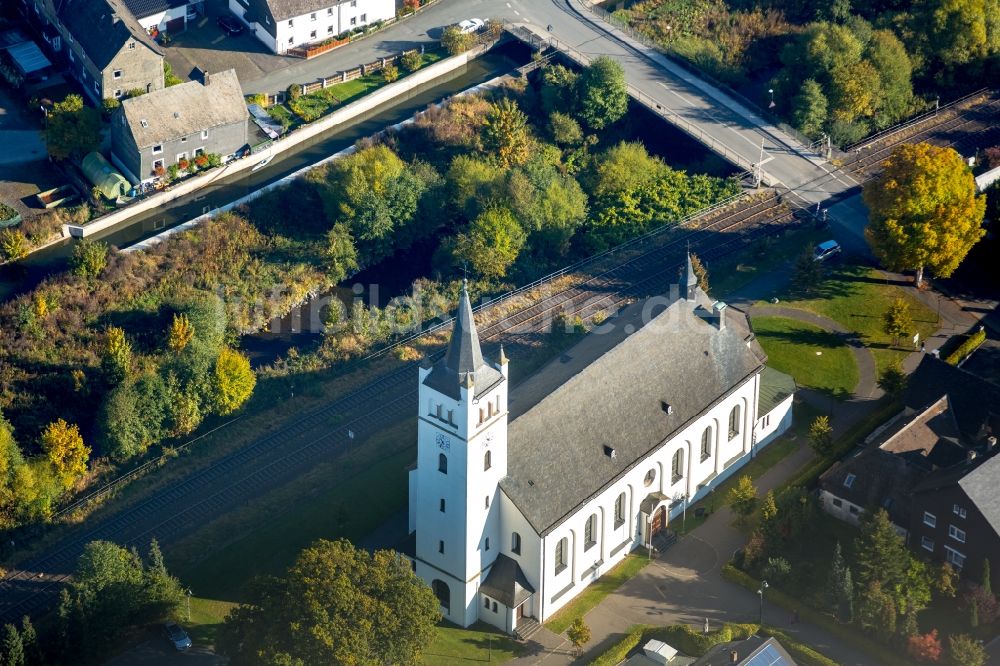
180, 334
412, 60
700, 272
565, 129
116, 361
492, 243
578, 634
924, 647
944, 580
234, 381
897, 321
821, 436
390, 73
455, 41
603, 93
964, 650
742, 497
768, 508
72, 129
923, 210
336, 605
340, 253
89, 258
809, 108
506, 133
64, 447
13, 244
877, 611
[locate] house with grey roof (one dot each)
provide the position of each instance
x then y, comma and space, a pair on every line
520, 499
102, 45
934, 467
285, 24
170, 16
151, 132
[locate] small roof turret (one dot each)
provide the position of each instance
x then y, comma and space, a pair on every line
691, 280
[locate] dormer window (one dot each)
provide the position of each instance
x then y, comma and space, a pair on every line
144, 123
131, 45
849, 480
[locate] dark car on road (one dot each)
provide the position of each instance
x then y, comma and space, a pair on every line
230, 25
177, 636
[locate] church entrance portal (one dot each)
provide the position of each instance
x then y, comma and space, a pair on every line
659, 520
520, 611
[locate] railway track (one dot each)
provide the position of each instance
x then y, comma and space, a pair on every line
970, 129
322, 432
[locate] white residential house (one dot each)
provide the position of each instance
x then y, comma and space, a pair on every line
521, 498
284, 24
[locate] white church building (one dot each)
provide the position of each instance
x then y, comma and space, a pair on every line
516, 506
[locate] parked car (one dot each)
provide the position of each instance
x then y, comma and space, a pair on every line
825, 250
177, 636
469, 26
230, 25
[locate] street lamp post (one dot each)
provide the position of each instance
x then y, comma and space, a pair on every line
188, 595
771, 91
760, 593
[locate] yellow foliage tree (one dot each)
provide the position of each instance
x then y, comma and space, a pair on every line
234, 381
923, 210
64, 446
180, 333
506, 133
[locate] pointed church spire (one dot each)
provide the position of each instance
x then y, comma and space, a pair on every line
502, 360
691, 281
464, 356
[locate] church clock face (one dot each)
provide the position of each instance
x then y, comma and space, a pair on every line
443, 442
488, 439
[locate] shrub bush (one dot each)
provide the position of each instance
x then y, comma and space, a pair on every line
294, 91
7, 213
967, 347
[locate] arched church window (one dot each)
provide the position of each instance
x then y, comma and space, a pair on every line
560, 555
515, 543
620, 510
487, 460
442, 463
650, 477
589, 528
706, 444
677, 467
443, 593
734, 422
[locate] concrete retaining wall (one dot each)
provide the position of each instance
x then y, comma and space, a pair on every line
352, 110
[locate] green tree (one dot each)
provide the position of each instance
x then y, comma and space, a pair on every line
880, 552
506, 134
964, 650
72, 129
492, 243
945, 580
117, 358
180, 334
455, 41
336, 605
390, 73
809, 108
777, 569
897, 321
987, 580
65, 449
821, 436
877, 612
340, 253
768, 508
29, 639
889, 58
808, 273
923, 210
950, 33
578, 634
854, 91
559, 89
13, 647
892, 379
603, 93
840, 587
742, 497
89, 258
565, 129
412, 60
234, 381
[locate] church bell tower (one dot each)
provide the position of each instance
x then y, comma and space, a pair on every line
461, 457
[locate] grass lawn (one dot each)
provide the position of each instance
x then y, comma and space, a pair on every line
206, 618
596, 591
479, 643
732, 272
857, 297
817, 359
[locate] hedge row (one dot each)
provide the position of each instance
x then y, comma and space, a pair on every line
846, 633
683, 637
967, 347
801, 653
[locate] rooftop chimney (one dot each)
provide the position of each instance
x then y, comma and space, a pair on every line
205, 79
719, 314
734, 657
991, 442
970, 456
610, 452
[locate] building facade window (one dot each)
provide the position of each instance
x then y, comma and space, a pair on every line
734, 422
354, 21
849, 480
487, 544
515, 543
290, 23
157, 149
486, 603
117, 74
956, 533
443, 594
329, 29
487, 460
561, 555
312, 17
312, 35
487, 501
441, 547
364, 18
204, 134
954, 558
494, 607
620, 510
958, 511
650, 477
706, 444
677, 466
442, 463
441, 505
588, 531
927, 543
930, 520
837, 503
118, 93
329, 11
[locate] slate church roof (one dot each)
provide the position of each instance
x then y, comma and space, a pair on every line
556, 449
506, 582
